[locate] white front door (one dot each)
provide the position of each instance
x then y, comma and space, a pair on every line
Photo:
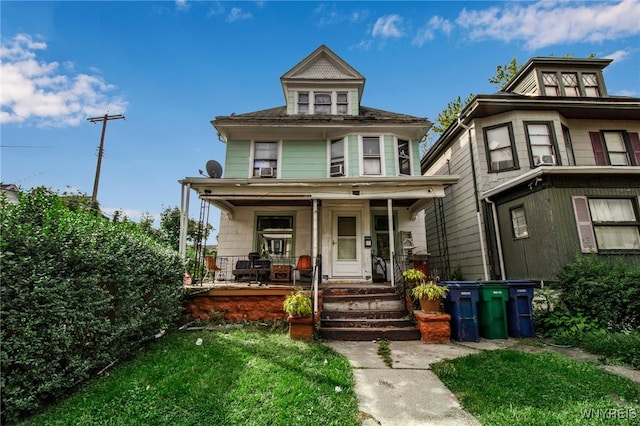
347, 251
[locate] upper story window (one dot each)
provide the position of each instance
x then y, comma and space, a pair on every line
371, 158
607, 223
551, 87
500, 150
541, 144
615, 148
590, 82
303, 102
404, 157
337, 166
568, 146
265, 159
322, 102
342, 103
570, 83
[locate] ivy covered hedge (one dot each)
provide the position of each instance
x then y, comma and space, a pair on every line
78, 292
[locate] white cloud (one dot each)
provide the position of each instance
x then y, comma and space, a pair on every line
182, 5
237, 14
333, 16
35, 91
363, 45
427, 33
387, 27
548, 22
618, 55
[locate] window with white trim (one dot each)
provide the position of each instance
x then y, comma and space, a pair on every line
519, 223
303, 102
265, 159
337, 165
500, 150
607, 223
342, 103
274, 236
371, 158
322, 103
404, 157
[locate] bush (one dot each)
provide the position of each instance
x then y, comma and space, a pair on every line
617, 348
605, 290
78, 292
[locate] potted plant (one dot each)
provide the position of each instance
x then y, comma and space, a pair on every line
413, 277
298, 306
429, 295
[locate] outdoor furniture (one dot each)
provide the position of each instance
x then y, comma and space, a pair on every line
211, 266
303, 268
281, 273
254, 269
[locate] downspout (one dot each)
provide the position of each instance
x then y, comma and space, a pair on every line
494, 213
392, 247
475, 197
314, 254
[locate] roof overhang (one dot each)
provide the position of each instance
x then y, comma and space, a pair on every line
411, 192
541, 172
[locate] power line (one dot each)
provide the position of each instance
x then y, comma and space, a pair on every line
105, 119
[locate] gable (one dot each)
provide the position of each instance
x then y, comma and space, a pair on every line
322, 64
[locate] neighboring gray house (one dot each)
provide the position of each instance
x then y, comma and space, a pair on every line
549, 167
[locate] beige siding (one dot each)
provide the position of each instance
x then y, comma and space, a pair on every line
579, 130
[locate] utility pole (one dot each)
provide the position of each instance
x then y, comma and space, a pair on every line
107, 117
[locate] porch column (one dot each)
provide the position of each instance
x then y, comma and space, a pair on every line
314, 253
392, 248
184, 219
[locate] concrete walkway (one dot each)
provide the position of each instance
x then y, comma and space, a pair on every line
410, 394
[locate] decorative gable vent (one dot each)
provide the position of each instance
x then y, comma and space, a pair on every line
337, 169
544, 160
267, 172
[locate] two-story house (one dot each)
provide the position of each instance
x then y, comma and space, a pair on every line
549, 167
321, 176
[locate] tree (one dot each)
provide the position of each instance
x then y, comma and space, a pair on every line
504, 73
170, 228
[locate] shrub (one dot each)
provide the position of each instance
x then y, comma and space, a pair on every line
78, 292
606, 290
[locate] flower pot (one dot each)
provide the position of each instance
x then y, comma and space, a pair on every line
430, 305
301, 328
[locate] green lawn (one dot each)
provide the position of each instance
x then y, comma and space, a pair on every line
242, 376
508, 387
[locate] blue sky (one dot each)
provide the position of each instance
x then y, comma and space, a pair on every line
172, 66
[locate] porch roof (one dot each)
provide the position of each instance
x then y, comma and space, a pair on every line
411, 192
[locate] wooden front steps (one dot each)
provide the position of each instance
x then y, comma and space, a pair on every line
365, 313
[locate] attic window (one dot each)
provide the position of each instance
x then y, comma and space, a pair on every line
322, 103
342, 103
590, 82
303, 103
570, 83
551, 87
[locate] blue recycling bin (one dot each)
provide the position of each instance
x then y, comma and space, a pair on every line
462, 304
520, 308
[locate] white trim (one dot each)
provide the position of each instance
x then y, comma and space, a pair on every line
361, 154
334, 100
397, 156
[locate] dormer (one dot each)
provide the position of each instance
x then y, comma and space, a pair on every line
322, 84
560, 77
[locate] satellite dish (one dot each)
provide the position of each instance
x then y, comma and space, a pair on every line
214, 169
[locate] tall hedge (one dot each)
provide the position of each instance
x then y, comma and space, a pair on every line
77, 293
605, 289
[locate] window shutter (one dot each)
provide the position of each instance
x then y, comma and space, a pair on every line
635, 147
583, 221
598, 149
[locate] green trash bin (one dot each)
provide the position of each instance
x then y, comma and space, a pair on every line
492, 309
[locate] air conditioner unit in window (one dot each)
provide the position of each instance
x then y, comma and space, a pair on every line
266, 172
544, 160
337, 169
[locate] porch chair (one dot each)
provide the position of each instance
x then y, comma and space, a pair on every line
212, 267
303, 268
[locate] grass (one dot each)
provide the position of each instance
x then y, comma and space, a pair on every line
507, 387
615, 348
241, 376
385, 352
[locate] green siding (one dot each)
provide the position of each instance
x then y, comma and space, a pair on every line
355, 106
389, 146
304, 159
415, 156
354, 155
291, 100
237, 160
